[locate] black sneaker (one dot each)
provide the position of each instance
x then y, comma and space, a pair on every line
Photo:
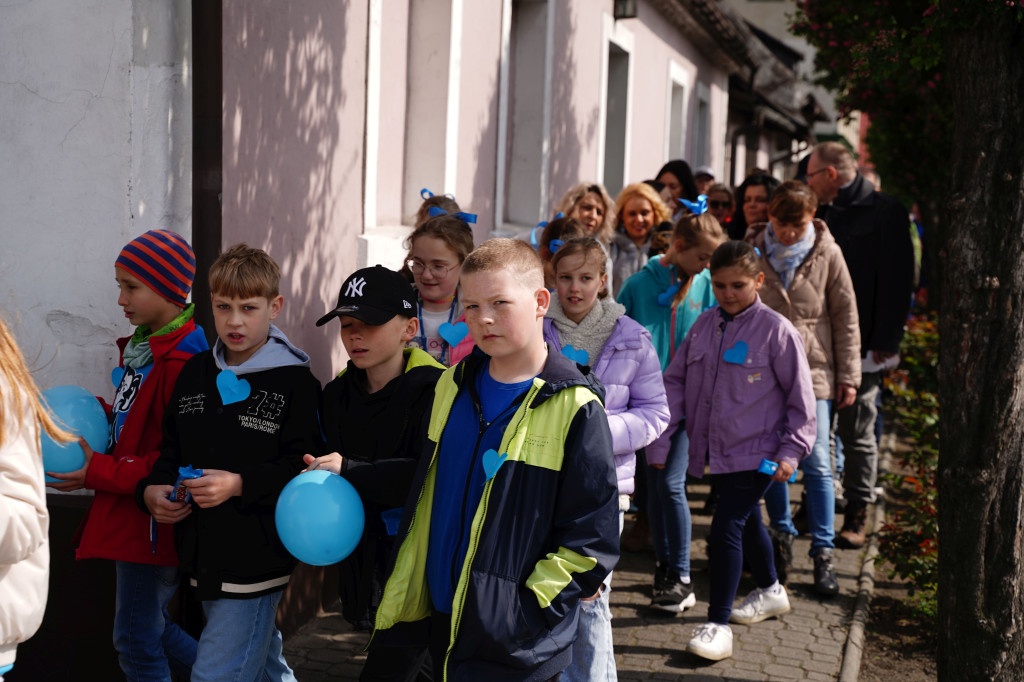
825, 582
677, 597
660, 581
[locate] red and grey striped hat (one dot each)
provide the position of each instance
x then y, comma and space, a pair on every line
164, 261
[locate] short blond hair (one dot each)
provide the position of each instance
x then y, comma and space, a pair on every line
513, 255
643, 191
245, 272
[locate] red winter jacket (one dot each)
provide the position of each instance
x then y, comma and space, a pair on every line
114, 527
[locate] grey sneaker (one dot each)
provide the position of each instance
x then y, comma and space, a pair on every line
825, 582
677, 596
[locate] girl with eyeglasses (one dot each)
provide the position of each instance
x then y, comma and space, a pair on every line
437, 249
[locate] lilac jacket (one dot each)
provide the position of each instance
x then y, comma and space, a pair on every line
747, 392
634, 393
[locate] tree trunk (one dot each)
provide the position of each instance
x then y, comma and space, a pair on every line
981, 465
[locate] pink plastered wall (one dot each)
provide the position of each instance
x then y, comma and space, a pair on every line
294, 102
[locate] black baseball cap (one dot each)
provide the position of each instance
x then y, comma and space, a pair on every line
373, 295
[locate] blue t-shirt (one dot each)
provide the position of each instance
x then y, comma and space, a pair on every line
476, 424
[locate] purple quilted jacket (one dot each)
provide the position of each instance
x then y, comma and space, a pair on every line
635, 394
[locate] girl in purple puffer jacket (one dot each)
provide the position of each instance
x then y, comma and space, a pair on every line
595, 331
742, 381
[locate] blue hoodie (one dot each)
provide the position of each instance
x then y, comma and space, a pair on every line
640, 296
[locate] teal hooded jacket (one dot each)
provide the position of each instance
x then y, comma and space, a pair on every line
667, 325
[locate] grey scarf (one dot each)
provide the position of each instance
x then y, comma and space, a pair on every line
592, 332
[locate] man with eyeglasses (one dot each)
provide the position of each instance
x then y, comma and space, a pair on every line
872, 229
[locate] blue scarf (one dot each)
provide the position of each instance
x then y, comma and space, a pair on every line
786, 259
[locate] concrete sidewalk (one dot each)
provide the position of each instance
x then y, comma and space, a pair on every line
805, 644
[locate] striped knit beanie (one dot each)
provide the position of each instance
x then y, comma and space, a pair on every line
164, 261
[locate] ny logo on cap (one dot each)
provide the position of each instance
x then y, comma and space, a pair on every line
355, 287
406, 304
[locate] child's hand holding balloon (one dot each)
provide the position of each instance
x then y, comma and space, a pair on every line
331, 462
74, 480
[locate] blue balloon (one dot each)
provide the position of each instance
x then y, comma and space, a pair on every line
79, 412
319, 518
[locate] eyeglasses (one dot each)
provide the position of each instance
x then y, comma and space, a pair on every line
820, 170
436, 270
719, 204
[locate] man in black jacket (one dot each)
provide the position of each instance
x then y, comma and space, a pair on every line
873, 230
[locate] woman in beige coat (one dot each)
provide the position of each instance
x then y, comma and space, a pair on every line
807, 281
24, 521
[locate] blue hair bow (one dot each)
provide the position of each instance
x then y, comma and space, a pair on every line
464, 217
541, 225
426, 194
554, 245
696, 207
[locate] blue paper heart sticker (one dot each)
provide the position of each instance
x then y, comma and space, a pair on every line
231, 388
577, 355
665, 297
493, 462
116, 375
737, 355
453, 333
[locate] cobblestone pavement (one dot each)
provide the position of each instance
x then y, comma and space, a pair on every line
805, 644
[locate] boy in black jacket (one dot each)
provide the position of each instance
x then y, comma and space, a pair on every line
374, 421
244, 413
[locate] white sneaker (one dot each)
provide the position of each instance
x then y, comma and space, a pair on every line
711, 641
762, 604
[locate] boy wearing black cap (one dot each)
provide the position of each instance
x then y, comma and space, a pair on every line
375, 421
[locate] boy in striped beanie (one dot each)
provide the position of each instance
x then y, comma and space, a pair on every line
154, 275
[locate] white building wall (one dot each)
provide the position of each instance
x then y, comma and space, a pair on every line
95, 117
95, 128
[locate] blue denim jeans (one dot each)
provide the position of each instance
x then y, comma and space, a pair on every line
593, 656
817, 468
149, 644
667, 508
737, 534
241, 643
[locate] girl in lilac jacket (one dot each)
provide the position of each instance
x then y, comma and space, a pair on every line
594, 331
742, 381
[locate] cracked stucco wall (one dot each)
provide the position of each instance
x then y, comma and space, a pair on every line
96, 145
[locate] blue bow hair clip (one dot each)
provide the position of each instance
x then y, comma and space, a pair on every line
757, 251
464, 217
533, 234
540, 226
426, 194
554, 245
696, 207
